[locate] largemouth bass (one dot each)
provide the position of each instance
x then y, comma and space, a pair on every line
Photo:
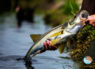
58, 34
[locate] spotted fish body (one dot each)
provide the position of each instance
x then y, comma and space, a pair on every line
60, 33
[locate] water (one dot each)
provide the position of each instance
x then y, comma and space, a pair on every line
15, 42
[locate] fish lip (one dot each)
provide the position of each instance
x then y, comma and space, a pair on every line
84, 15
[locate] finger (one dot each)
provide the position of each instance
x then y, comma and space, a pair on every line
94, 24
91, 22
90, 18
45, 45
48, 42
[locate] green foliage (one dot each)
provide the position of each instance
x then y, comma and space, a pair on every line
70, 7
82, 42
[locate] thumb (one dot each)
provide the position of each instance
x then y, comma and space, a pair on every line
89, 18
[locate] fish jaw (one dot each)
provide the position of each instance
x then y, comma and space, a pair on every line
82, 17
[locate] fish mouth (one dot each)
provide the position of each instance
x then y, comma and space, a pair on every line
84, 15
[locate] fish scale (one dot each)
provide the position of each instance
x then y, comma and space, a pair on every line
59, 34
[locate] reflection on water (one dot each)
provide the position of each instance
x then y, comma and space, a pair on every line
15, 42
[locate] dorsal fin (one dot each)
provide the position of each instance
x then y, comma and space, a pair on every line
35, 37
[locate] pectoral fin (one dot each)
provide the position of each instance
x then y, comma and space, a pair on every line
35, 37
53, 42
61, 48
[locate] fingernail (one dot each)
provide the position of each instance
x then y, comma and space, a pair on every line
48, 42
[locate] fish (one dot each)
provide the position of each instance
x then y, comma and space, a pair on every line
58, 35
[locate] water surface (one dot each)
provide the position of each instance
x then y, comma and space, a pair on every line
15, 42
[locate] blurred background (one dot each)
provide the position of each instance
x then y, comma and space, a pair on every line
55, 11
20, 18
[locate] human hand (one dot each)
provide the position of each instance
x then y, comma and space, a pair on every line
91, 19
47, 46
